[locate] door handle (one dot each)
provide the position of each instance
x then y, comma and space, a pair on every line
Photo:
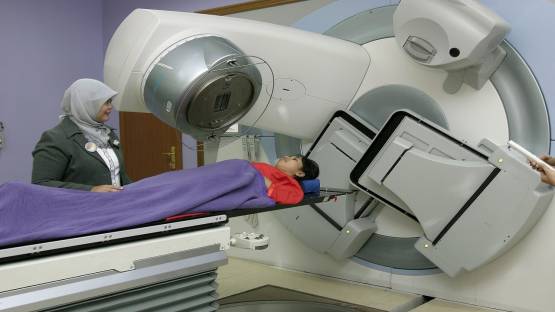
171, 156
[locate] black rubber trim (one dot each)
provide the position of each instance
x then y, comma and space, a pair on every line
381, 139
325, 216
466, 205
350, 119
309, 198
395, 164
342, 152
363, 207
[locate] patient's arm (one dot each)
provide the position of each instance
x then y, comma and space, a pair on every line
285, 193
282, 188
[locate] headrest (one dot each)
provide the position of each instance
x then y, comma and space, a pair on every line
310, 186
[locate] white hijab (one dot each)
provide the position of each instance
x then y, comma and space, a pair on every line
82, 102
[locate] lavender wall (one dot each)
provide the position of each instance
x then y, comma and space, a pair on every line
45, 46
116, 11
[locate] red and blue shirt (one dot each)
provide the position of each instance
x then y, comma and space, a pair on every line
284, 188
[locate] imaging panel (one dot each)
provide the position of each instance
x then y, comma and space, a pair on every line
334, 227
472, 203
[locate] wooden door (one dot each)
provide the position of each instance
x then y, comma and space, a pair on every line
147, 142
150, 146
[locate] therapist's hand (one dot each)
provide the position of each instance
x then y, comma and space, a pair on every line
106, 188
546, 171
548, 159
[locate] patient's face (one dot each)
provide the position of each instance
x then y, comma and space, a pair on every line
291, 165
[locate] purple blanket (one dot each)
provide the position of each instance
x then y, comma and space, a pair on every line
37, 213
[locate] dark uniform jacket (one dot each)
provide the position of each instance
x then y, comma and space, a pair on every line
61, 160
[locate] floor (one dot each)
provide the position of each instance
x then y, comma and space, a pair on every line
240, 276
275, 294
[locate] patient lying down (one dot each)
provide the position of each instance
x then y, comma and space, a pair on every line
38, 213
281, 179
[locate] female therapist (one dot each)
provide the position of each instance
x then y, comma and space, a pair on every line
81, 152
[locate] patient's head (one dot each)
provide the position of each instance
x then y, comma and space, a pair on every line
300, 167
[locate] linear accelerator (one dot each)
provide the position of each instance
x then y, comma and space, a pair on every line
473, 197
